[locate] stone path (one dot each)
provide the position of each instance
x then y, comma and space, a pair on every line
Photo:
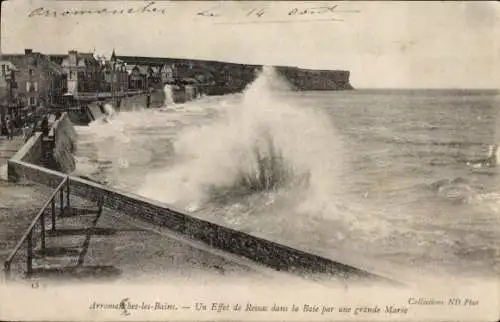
112, 247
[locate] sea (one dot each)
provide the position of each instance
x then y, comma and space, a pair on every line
378, 179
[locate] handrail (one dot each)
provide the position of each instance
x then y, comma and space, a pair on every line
39, 215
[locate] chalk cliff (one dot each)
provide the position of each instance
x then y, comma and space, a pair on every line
218, 78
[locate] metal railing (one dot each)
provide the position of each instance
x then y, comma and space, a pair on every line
39, 218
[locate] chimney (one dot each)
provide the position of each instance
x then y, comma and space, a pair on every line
72, 57
72, 53
28, 51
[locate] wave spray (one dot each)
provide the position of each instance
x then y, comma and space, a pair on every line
109, 112
259, 145
169, 96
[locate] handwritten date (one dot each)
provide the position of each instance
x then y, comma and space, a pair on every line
260, 12
312, 11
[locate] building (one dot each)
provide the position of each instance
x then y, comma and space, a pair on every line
83, 71
7, 79
183, 69
114, 78
138, 76
154, 77
114, 75
40, 81
167, 73
8, 87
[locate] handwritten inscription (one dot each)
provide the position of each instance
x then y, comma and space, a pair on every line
329, 12
257, 14
148, 8
219, 12
313, 10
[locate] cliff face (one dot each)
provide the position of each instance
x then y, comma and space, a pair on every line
316, 80
236, 78
219, 78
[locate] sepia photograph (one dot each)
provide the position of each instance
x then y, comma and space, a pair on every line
249, 160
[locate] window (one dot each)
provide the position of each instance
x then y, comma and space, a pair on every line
32, 101
30, 72
36, 86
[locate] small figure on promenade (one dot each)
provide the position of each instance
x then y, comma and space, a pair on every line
30, 130
45, 126
26, 131
15, 121
8, 124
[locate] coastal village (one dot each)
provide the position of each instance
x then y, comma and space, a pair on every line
35, 79
44, 98
35, 87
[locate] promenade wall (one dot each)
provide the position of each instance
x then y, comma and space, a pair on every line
27, 165
185, 94
138, 101
94, 111
128, 103
55, 153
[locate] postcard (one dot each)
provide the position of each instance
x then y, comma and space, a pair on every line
249, 161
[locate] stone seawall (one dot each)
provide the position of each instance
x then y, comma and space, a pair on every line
128, 103
31, 151
94, 111
41, 151
156, 99
184, 94
268, 253
25, 165
20, 171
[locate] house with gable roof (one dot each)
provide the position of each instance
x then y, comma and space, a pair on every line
138, 75
115, 75
40, 81
83, 72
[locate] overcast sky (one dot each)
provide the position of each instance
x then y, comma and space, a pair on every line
383, 44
